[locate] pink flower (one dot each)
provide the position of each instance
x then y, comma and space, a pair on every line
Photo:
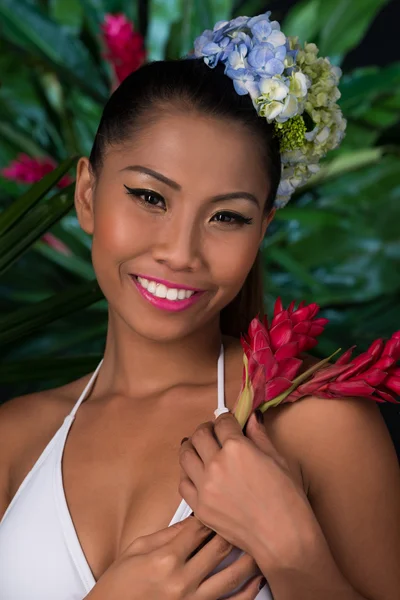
29, 170
373, 375
272, 363
124, 46
272, 352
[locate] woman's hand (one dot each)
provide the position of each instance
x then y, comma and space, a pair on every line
169, 564
242, 488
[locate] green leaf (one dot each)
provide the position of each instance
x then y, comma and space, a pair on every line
345, 23
162, 15
19, 239
51, 43
19, 139
303, 20
36, 192
26, 321
68, 13
70, 263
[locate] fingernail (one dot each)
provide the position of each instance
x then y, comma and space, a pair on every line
259, 416
262, 584
184, 440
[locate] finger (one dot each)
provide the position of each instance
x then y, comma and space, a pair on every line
148, 543
188, 491
189, 537
251, 589
231, 578
227, 427
256, 432
205, 442
209, 556
191, 462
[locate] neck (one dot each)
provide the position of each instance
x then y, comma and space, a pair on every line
135, 366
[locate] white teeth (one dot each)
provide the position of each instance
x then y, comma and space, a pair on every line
172, 294
161, 291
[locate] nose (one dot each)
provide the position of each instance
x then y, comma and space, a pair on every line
178, 245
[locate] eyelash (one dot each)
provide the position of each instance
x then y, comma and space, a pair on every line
140, 193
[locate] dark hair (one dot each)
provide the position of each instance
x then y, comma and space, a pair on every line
189, 84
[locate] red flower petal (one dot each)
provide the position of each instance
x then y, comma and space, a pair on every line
386, 396
302, 328
289, 367
376, 348
373, 377
281, 334
391, 348
278, 307
393, 383
350, 388
287, 351
276, 387
304, 313
357, 365
345, 358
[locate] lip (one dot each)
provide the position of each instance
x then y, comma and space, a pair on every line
163, 303
168, 284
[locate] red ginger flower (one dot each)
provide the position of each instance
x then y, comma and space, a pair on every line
373, 375
272, 352
272, 363
29, 170
124, 46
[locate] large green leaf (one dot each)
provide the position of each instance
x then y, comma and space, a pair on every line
19, 239
26, 321
344, 24
27, 201
162, 15
53, 44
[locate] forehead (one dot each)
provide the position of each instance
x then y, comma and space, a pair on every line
196, 150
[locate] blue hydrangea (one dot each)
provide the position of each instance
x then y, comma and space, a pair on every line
283, 81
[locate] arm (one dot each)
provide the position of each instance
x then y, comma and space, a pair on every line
351, 475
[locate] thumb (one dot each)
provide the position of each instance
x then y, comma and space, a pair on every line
256, 432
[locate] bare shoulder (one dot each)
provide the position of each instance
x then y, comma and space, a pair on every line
351, 474
323, 431
27, 424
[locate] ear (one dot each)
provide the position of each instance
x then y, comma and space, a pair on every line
84, 195
266, 222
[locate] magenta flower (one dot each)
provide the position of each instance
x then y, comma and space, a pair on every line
373, 375
25, 169
272, 361
124, 46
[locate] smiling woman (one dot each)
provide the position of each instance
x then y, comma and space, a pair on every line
182, 182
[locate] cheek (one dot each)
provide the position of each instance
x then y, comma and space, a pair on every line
232, 263
117, 232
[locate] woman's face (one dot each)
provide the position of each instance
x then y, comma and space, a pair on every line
181, 208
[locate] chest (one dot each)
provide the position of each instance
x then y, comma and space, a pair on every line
121, 474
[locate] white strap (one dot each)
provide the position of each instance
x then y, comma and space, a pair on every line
221, 385
85, 391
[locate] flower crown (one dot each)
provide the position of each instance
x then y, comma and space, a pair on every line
289, 85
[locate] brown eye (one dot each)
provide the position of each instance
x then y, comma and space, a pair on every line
146, 197
231, 218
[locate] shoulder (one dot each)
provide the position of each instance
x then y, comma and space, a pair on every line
27, 424
324, 433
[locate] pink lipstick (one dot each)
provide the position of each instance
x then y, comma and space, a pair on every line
164, 303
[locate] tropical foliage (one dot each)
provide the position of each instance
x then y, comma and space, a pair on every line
336, 243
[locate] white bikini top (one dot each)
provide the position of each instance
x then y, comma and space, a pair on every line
41, 557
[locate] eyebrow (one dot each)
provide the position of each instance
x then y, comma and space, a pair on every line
174, 185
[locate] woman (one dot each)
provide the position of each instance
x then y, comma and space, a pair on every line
178, 193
